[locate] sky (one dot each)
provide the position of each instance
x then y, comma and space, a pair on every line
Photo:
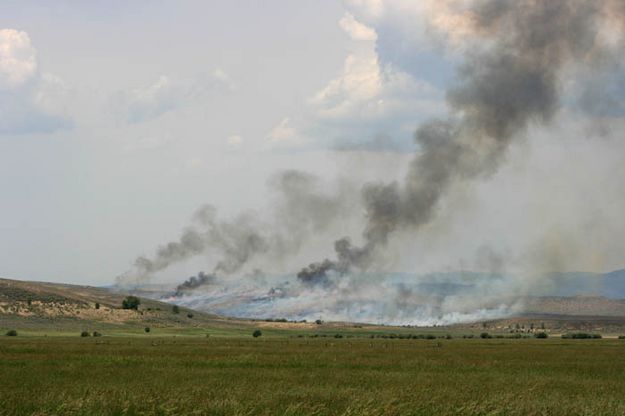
119, 119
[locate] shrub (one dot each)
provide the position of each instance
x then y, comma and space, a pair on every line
11, 333
175, 309
338, 336
318, 321
147, 329
84, 334
580, 335
189, 315
97, 305
430, 336
485, 335
96, 334
131, 302
621, 337
541, 335
257, 333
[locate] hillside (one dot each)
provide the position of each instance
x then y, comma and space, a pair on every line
40, 305
58, 307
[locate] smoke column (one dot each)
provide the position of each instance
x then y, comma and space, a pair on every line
301, 210
518, 54
511, 79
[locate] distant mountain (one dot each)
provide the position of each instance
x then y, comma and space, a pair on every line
614, 284
610, 285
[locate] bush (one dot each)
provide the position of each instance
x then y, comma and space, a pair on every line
580, 335
257, 333
97, 305
485, 335
11, 333
318, 321
621, 337
175, 309
338, 336
189, 315
96, 334
147, 329
131, 302
541, 335
84, 334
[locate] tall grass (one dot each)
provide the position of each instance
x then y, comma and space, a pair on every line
317, 376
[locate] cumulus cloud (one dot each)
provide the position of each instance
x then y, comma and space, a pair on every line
18, 61
369, 105
355, 29
166, 94
30, 101
283, 134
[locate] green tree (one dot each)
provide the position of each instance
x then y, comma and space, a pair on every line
131, 302
175, 309
257, 333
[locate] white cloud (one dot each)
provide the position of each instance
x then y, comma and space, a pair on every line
283, 133
166, 94
18, 61
30, 102
372, 8
355, 29
368, 102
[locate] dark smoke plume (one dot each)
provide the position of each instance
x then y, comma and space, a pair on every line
511, 79
506, 84
300, 210
194, 282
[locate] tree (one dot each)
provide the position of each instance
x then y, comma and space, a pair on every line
11, 333
147, 329
175, 309
84, 334
257, 333
131, 302
97, 305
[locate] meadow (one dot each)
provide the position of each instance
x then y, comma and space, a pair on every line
282, 375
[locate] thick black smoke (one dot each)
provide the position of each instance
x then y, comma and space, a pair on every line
512, 80
194, 282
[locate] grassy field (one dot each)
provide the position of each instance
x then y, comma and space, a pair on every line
276, 375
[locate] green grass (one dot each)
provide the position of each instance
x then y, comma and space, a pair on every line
276, 375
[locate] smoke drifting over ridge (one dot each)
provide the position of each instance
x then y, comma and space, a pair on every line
511, 79
301, 209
